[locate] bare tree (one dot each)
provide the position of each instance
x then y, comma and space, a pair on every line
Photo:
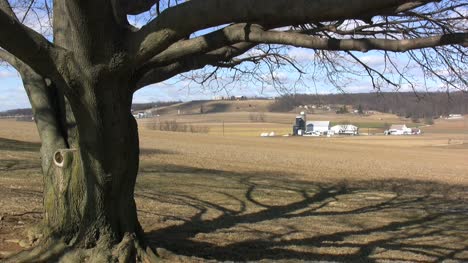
81, 83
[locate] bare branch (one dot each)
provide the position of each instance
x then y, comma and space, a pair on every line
6, 7
198, 45
135, 7
199, 14
28, 45
41, 99
258, 35
158, 74
27, 11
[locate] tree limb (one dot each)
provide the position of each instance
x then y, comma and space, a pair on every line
28, 45
255, 34
6, 7
42, 102
135, 7
200, 14
199, 45
159, 74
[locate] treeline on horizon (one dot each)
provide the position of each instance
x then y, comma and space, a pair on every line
149, 105
135, 107
405, 104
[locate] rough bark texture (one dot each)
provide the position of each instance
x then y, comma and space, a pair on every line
89, 150
89, 173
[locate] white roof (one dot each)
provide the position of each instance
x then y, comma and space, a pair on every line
344, 127
398, 127
319, 123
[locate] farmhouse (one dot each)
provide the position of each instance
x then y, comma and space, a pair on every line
345, 129
317, 127
455, 117
142, 114
398, 130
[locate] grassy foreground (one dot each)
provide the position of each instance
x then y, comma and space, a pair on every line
233, 198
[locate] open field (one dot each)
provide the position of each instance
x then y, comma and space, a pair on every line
240, 197
247, 124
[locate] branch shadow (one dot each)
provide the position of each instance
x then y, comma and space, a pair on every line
19, 146
230, 216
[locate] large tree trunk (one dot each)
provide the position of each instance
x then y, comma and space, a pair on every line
89, 198
108, 152
90, 149
90, 156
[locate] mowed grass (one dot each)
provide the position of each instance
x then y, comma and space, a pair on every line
239, 197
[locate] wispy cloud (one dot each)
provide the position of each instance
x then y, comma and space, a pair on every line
7, 74
13, 97
301, 54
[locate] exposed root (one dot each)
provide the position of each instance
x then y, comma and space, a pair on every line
53, 250
47, 251
126, 249
145, 255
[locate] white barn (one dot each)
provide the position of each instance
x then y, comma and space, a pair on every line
455, 117
317, 127
399, 130
347, 129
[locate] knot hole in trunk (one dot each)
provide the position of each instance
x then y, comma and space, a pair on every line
63, 157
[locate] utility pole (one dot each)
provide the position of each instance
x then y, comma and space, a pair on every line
223, 127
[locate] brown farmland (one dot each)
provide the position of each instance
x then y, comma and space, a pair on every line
239, 197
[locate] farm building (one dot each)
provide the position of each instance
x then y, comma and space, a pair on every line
398, 130
346, 129
415, 131
317, 127
454, 117
142, 114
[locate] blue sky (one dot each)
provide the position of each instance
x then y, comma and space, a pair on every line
12, 94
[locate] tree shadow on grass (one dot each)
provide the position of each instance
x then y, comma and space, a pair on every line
217, 108
15, 145
150, 151
228, 216
12, 164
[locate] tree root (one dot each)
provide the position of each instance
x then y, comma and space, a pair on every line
53, 250
146, 255
44, 252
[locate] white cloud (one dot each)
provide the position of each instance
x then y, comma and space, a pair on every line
358, 88
301, 54
373, 60
13, 98
7, 74
169, 92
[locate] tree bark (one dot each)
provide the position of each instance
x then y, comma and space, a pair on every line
92, 202
90, 157
91, 163
89, 185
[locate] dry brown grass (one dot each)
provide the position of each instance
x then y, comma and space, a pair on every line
345, 199
240, 123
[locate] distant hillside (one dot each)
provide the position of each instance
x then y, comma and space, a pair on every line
16, 112
405, 104
135, 107
215, 106
145, 106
